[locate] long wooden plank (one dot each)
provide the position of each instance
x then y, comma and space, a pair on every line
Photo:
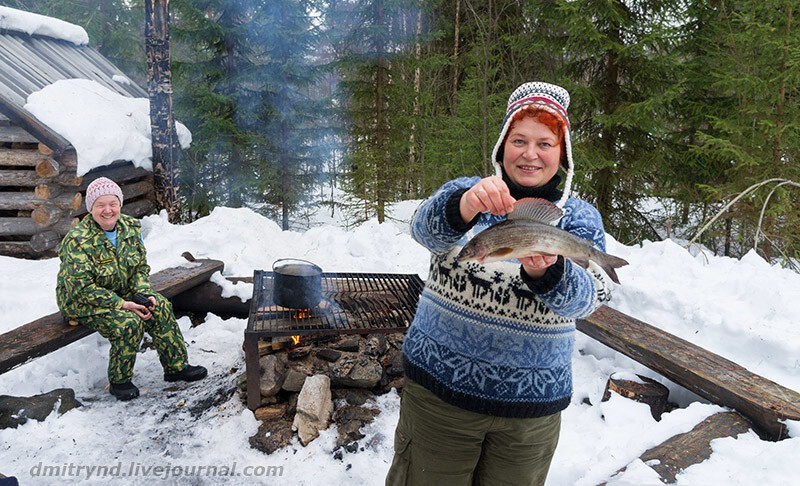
721, 381
52, 332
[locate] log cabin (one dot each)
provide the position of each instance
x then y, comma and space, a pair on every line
41, 193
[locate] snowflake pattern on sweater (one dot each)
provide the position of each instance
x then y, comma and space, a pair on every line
482, 338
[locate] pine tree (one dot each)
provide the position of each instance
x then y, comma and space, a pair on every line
747, 122
619, 62
290, 114
376, 69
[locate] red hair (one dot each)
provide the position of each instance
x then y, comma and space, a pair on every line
554, 122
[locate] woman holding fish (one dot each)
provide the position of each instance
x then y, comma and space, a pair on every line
488, 356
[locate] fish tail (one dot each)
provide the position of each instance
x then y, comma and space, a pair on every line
609, 262
606, 262
611, 272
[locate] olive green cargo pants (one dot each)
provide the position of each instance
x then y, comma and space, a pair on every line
439, 444
124, 330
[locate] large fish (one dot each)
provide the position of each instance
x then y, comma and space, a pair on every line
528, 231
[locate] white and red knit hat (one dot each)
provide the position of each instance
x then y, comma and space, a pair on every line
102, 186
551, 98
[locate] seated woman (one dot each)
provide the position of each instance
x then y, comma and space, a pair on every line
103, 267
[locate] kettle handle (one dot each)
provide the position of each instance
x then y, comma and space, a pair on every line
317, 267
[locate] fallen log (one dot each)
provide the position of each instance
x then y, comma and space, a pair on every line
765, 403
52, 332
207, 297
677, 453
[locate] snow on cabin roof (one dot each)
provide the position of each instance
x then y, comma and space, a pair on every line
66, 94
103, 126
29, 63
35, 24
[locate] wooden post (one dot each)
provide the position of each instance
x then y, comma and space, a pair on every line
641, 389
166, 151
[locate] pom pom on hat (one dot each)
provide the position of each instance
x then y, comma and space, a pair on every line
551, 98
102, 186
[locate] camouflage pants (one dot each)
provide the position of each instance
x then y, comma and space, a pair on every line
124, 330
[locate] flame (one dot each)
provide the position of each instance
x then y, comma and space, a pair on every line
295, 340
303, 313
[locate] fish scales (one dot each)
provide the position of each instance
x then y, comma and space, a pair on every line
525, 234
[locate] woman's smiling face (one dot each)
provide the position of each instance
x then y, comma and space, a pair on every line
105, 211
531, 153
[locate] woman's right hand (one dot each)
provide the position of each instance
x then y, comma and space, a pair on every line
490, 195
139, 309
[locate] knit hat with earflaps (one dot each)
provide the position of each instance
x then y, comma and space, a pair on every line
102, 186
550, 98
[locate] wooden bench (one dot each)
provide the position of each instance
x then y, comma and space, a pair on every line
52, 332
721, 381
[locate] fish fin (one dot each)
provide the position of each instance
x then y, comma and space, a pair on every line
536, 209
501, 252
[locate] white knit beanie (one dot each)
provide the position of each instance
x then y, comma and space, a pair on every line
550, 98
102, 186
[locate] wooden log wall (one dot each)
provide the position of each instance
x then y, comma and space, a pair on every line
41, 195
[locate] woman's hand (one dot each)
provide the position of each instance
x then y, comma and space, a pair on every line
139, 309
535, 266
490, 195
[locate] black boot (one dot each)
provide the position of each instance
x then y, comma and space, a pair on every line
124, 391
190, 373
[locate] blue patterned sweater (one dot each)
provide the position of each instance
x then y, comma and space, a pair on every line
488, 339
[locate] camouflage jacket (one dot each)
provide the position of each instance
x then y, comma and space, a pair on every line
94, 276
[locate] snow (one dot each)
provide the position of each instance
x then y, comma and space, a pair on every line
742, 309
35, 24
102, 125
745, 310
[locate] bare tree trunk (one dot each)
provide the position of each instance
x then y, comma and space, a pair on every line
456, 34
412, 149
381, 79
166, 151
605, 184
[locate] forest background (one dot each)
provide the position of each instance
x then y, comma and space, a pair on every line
682, 111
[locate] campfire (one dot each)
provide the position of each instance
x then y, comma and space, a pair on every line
347, 347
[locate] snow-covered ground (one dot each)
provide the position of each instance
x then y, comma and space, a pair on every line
744, 310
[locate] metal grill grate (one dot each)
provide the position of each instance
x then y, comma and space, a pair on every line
353, 303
